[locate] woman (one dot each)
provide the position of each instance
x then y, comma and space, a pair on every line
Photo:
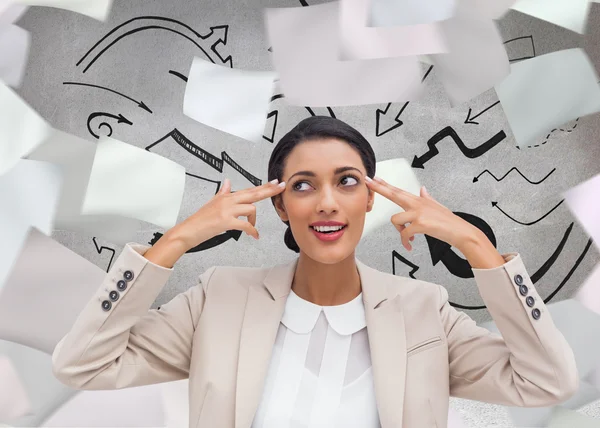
323, 341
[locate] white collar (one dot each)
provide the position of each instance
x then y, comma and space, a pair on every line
301, 316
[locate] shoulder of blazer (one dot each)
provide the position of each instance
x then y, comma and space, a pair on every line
412, 290
233, 277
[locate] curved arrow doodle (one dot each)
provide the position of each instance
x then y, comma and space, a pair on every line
182, 29
100, 249
442, 251
495, 204
543, 269
140, 104
514, 168
419, 162
571, 272
120, 119
414, 267
379, 114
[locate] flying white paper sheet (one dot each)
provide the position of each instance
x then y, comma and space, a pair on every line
454, 419
132, 182
75, 156
571, 14
399, 173
477, 59
46, 276
395, 13
22, 129
305, 43
175, 399
562, 418
28, 197
11, 13
589, 293
544, 92
358, 41
44, 391
14, 401
97, 9
14, 51
233, 101
139, 406
584, 202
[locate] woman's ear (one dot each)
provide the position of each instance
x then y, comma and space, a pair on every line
280, 208
370, 200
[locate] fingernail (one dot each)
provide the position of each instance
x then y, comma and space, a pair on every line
274, 181
282, 184
377, 179
369, 179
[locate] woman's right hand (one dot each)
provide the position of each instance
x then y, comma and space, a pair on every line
221, 213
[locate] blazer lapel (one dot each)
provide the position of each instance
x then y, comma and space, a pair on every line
263, 313
387, 342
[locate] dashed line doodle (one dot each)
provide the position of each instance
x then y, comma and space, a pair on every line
567, 130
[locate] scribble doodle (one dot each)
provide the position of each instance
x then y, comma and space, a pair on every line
414, 267
135, 25
140, 104
514, 168
99, 249
442, 251
397, 122
516, 39
419, 162
471, 120
553, 131
119, 118
495, 204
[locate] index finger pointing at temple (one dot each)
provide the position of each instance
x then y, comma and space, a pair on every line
393, 193
255, 194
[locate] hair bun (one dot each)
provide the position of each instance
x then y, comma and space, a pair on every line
289, 240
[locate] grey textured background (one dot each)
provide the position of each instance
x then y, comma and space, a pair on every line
139, 65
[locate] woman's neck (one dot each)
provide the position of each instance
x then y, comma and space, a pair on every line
326, 284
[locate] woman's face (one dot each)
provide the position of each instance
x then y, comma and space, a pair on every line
325, 181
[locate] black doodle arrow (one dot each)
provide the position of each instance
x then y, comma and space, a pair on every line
206, 245
495, 204
379, 114
419, 162
140, 104
192, 36
514, 168
571, 272
442, 251
471, 120
396, 255
100, 249
120, 119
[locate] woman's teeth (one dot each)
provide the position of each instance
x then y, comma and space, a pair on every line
327, 229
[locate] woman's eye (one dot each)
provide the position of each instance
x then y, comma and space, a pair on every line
343, 181
352, 177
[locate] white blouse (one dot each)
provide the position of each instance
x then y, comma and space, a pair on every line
320, 371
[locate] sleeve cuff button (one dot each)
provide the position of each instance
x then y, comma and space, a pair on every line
128, 275
518, 279
106, 305
536, 314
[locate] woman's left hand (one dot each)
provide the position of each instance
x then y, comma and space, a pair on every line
423, 214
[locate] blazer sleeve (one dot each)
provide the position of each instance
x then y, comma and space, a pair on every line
530, 364
123, 343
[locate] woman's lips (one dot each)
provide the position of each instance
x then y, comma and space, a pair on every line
328, 237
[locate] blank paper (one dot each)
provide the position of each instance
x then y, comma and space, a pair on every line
589, 293
233, 101
584, 202
562, 417
396, 172
306, 52
571, 14
135, 183
14, 401
14, 51
357, 41
22, 129
393, 13
547, 91
11, 13
97, 9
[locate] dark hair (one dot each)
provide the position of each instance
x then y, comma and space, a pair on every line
311, 129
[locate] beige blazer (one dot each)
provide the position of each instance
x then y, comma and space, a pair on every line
220, 334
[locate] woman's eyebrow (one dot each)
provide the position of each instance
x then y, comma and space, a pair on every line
338, 170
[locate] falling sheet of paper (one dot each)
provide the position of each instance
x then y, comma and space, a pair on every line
399, 173
562, 418
135, 183
571, 14
97, 9
29, 195
44, 391
305, 43
396, 13
233, 101
14, 401
75, 156
11, 13
589, 293
547, 91
584, 202
139, 406
358, 41
22, 129
56, 277
486, 9
176, 403
14, 51
477, 59
454, 419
